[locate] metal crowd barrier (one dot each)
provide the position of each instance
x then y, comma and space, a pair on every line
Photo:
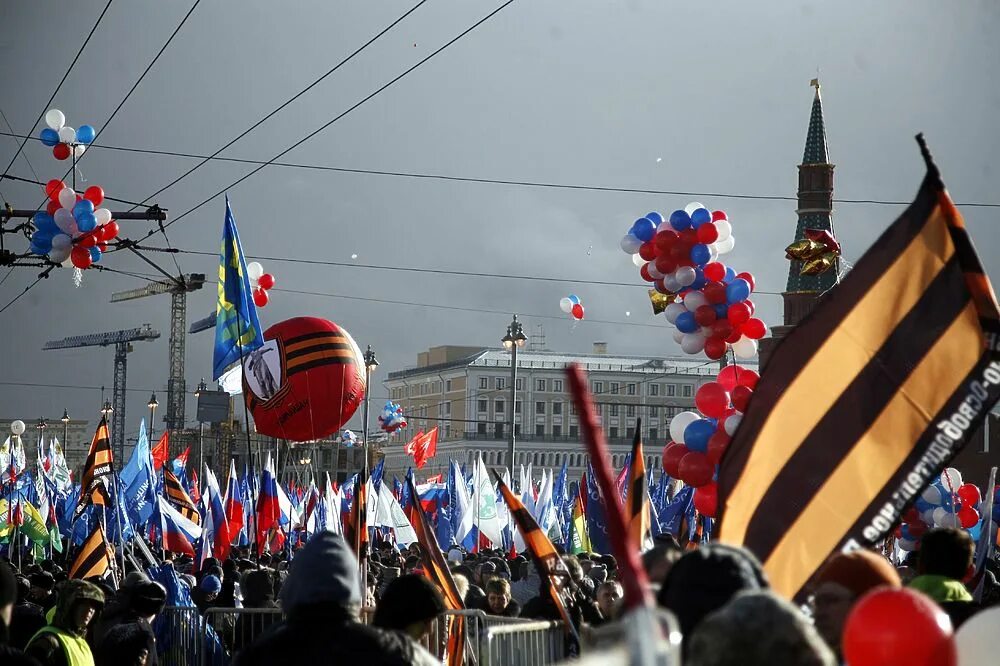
529, 643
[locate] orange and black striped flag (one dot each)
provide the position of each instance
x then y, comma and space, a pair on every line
94, 558
550, 565
97, 469
358, 527
866, 401
176, 495
637, 496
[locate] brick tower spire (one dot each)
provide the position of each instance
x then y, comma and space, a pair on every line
815, 211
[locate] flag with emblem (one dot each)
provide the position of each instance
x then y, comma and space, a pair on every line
865, 402
94, 557
96, 471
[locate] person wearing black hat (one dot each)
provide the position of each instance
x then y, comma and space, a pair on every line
258, 593
62, 642
137, 605
42, 584
410, 604
9, 654
27, 617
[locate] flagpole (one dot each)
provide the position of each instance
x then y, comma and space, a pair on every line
246, 416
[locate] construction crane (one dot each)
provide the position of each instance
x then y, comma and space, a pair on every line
204, 324
122, 341
178, 288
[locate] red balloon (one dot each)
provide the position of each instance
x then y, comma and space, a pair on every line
753, 308
704, 315
643, 273
577, 311
735, 336
660, 287
94, 195
647, 251
715, 271
707, 233
741, 398
706, 499
266, 281
969, 517
722, 421
260, 297
665, 240
715, 292
715, 348
672, 454
87, 240
748, 378
898, 627
665, 263
711, 399
52, 207
111, 230
722, 329
739, 312
695, 470
53, 188
680, 253
748, 277
754, 329
61, 151
80, 256
729, 376
102, 246
917, 528
969, 494
717, 445
911, 515
719, 215
690, 237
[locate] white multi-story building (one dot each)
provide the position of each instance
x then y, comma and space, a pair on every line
465, 392
76, 442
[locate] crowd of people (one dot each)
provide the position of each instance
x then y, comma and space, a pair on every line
719, 595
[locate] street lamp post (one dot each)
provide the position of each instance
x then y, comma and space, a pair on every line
40, 426
65, 421
152, 404
370, 364
514, 339
202, 386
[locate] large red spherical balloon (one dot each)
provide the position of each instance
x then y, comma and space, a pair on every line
715, 348
672, 454
53, 188
711, 399
665, 264
715, 292
644, 273
260, 297
969, 494
898, 627
306, 381
648, 251
741, 398
739, 313
707, 233
94, 195
695, 470
706, 499
968, 517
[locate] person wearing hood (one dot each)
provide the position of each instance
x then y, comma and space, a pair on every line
9, 654
62, 642
322, 599
204, 593
411, 604
258, 593
137, 604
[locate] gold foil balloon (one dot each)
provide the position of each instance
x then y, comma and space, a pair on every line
660, 301
803, 250
819, 265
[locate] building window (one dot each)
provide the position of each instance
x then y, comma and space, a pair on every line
574, 431
447, 385
572, 408
484, 382
557, 431
614, 410
517, 429
483, 406
653, 434
498, 430
500, 383
613, 433
630, 389
499, 457
498, 406
481, 428
519, 384
671, 390
446, 408
447, 430
614, 388
599, 407
539, 429
539, 407
539, 384
557, 408
654, 390
557, 385
598, 387
517, 406
630, 410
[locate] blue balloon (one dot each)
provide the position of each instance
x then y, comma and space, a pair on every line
680, 220
697, 434
86, 222
730, 275
976, 530
923, 505
44, 222
644, 229
699, 217
737, 291
699, 279
655, 217
41, 238
82, 207
700, 254
685, 322
95, 254
574, 299
721, 310
85, 134
49, 137
35, 249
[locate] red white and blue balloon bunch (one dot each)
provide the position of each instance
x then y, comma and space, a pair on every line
260, 283
65, 140
571, 305
348, 438
679, 255
947, 502
392, 418
73, 226
698, 439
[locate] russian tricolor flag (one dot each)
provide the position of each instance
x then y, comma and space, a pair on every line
234, 502
178, 533
216, 523
268, 506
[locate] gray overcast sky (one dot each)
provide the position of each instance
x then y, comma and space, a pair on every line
704, 97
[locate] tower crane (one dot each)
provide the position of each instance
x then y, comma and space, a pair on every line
122, 341
178, 288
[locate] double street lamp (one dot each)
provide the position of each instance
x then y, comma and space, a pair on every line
370, 364
65, 422
514, 339
152, 404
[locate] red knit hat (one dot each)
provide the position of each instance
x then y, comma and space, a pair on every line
859, 571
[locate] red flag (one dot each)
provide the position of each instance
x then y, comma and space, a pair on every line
425, 447
195, 491
410, 447
183, 458
437, 478
17, 519
161, 451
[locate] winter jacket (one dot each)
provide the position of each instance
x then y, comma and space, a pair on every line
513, 609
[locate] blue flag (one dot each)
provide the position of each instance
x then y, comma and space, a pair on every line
138, 480
597, 522
670, 515
377, 473
237, 329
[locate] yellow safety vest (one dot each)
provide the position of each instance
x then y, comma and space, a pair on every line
75, 648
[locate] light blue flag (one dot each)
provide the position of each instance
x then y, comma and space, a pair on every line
138, 479
237, 329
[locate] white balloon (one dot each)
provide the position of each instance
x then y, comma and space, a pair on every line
55, 119
671, 284
951, 478
565, 304
679, 423
685, 276
102, 215
64, 219
939, 515
638, 260
59, 255
67, 198
254, 270
932, 495
693, 206
61, 242
732, 423
706, 331
653, 272
79, 149
630, 244
951, 520
928, 516
694, 300
17, 427
673, 311
724, 228
978, 641
678, 336
67, 135
726, 246
745, 347
713, 252
692, 343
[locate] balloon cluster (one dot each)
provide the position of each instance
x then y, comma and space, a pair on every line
708, 301
260, 283
64, 140
73, 225
571, 305
699, 440
348, 438
392, 418
818, 252
947, 502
